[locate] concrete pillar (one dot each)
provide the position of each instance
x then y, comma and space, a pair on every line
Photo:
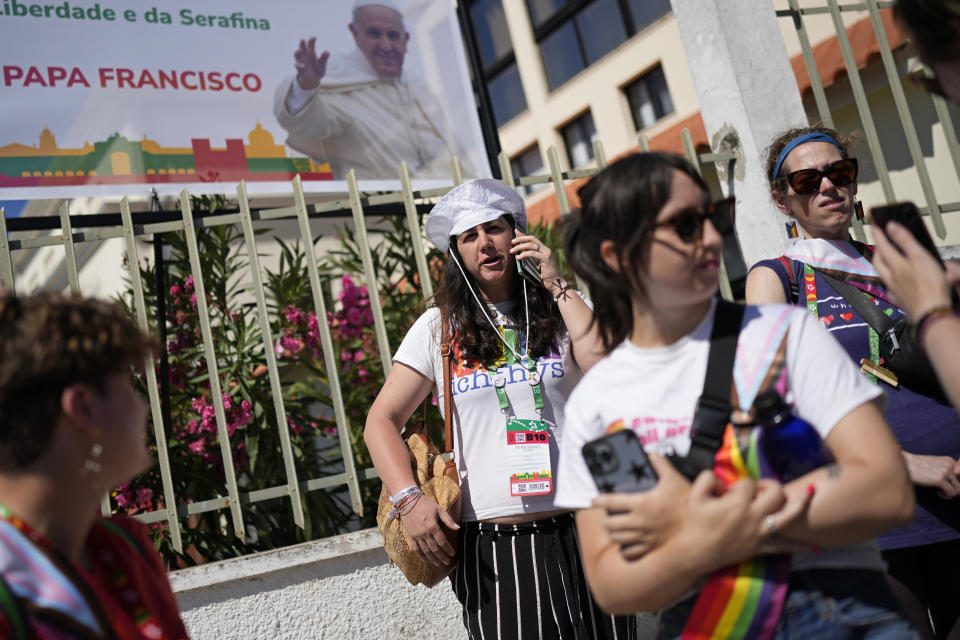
747, 94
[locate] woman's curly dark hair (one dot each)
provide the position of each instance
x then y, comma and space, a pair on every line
477, 340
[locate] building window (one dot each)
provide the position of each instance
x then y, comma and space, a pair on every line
573, 34
497, 59
645, 12
578, 137
528, 163
649, 98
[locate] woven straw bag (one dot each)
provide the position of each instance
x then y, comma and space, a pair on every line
436, 475
438, 480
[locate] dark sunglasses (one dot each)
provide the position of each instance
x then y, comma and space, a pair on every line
807, 181
688, 225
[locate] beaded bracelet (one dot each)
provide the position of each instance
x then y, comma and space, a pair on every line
929, 318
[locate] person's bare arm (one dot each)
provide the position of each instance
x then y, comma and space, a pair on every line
864, 493
403, 390
941, 340
715, 531
764, 287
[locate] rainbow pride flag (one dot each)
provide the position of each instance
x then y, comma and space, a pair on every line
743, 600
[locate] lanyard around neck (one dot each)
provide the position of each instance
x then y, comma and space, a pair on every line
810, 286
533, 376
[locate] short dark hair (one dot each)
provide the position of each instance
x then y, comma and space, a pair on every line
779, 182
934, 27
621, 203
48, 342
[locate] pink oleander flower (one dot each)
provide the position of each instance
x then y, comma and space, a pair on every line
355, 316
198, 446
293, 315
296, 428
188, 284
174, 290
144, 496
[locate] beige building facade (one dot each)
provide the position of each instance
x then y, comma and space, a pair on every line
642, 84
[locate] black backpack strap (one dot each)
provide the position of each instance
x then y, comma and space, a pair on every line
713, 408
870, 312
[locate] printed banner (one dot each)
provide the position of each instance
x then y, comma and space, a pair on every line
111, 97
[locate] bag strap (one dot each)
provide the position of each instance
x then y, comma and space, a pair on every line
445, 353
713, 408
791, 279
878, 320
13, 612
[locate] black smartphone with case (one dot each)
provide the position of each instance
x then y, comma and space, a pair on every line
526, 267
907, 214
619, 464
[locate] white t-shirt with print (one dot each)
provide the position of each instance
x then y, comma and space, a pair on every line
480, 436
655, 392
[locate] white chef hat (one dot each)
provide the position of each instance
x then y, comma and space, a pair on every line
469, 204
389, 4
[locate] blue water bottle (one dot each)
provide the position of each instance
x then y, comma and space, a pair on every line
790, 444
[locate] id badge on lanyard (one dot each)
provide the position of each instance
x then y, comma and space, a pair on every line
528, 440
528, 457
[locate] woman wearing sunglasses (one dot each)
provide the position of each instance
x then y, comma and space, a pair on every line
648, 245
814, 181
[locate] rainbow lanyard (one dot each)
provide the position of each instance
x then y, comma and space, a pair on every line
530, 364
810, 288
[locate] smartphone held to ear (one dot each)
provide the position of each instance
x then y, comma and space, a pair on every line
526, 267
619, 464
907, 214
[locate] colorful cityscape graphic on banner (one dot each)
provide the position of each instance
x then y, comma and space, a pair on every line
118, 160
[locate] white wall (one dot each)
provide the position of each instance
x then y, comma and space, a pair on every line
339, 587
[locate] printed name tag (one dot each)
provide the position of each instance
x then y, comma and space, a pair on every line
528, 457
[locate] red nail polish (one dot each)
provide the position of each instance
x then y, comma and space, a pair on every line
811, 489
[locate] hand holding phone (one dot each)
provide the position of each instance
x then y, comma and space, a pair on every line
528, 267
619, 464
906, 214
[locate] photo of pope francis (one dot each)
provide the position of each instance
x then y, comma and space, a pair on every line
358, 109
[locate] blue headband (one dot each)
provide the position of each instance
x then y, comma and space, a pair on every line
796, 142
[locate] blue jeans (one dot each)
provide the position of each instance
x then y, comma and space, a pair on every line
835, 604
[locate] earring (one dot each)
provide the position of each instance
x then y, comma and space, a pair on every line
858, 210
792, 231
92, 465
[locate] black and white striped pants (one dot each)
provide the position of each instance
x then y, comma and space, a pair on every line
526, 581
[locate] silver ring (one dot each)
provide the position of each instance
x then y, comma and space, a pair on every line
770, 524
